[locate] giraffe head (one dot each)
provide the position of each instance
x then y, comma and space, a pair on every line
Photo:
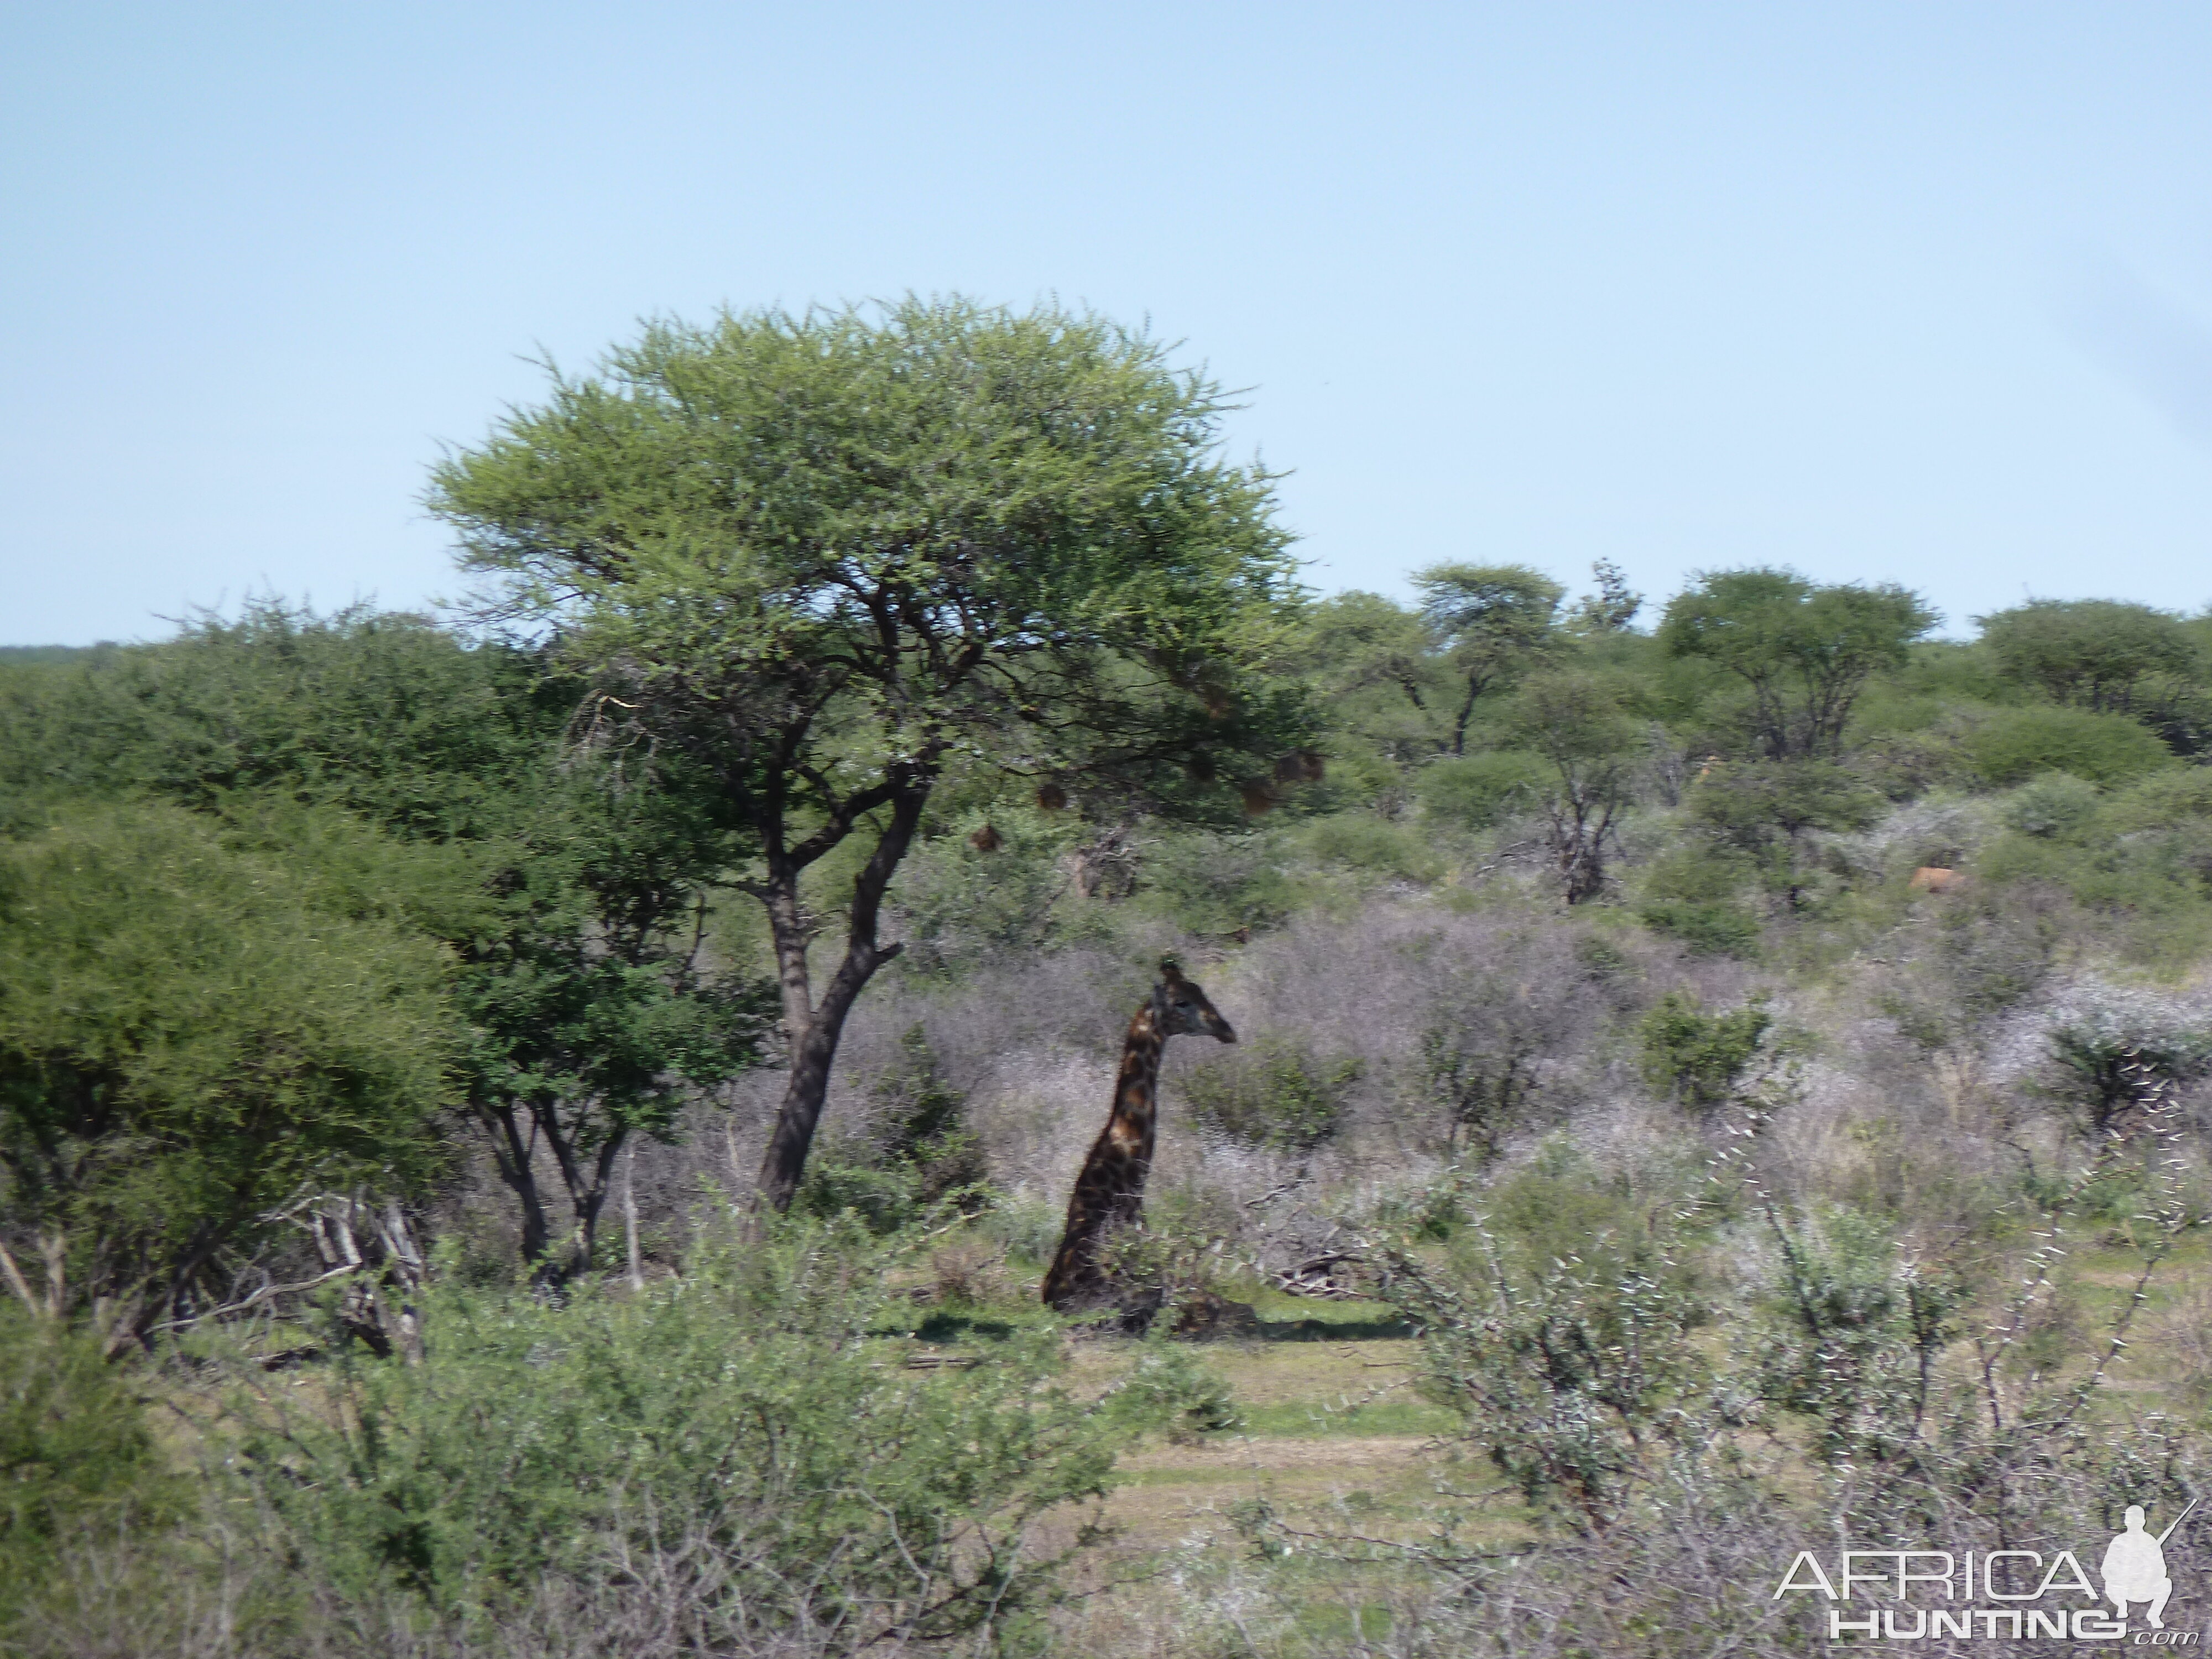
1180, 1009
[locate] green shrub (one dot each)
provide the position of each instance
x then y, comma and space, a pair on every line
1572, 1371
1757, 806
1476, 791
1856, 1333
185, 1047
2113, 1049
1171, 1391
1706, 930
1027, 1227
845, 1179
961, 906
736, 1428
2013, 744
1362, 841
1558, 1201
2178, 797
1171, 1269
1217, 884
1699, 1058
2055, 807
1273, 1092
74, 1444
1428, 1215
2141, 867
1695, 894
917, 1151
75, 1455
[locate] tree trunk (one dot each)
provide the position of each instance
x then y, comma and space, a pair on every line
814, 1045
1579, 826
149, 1314
629, 1219
510, 1154
17, 1283
787, 927
587, 1194
1466, 713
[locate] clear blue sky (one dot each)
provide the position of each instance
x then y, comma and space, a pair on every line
1916, 292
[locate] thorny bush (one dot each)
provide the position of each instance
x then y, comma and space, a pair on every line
1886, 1398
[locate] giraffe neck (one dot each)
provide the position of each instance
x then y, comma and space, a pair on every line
1136, 1089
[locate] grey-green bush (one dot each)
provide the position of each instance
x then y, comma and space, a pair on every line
744, 1420
1273, 1092
2015, 744
76, 1457
2056, 806
1476, 791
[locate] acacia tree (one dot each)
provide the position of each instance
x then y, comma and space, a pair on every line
827, 557
1493, 621
2094, 654
1805, 652
592, 1018
1611, 609
1575, 721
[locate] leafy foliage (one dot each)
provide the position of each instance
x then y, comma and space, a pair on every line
741, 1420
1170, 1385
2056, 806
186, 1047
1702, 1060
2090, 654
1576, 723
1476, 791
412, 778
1695, 894
76, 1456
1804, 651
2016, 744
2113, 1051
387, 716
1493, 621
1573, 1375
915, 1154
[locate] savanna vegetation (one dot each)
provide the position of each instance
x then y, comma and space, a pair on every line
538, 1132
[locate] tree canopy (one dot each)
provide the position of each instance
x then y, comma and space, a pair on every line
189, 1043
1804, 651
411, 776
2093, 654
1492, 620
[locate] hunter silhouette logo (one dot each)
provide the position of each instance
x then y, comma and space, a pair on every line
2000, 1594
2135, 1566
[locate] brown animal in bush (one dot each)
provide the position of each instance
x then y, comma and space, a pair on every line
1932, 879
1110, 1191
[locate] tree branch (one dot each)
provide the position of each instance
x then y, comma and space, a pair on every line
15, 1281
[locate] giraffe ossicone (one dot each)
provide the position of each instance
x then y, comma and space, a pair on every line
1110, 1191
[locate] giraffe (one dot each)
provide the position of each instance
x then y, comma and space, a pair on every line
1110, 1191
